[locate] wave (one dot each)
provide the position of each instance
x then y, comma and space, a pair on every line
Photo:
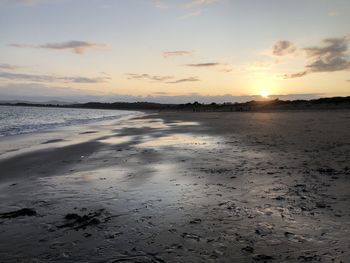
21, 120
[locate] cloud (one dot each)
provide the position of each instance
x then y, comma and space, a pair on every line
148, 77
49, 78
332, 56
83, 79
177, 53
78, 47
9, 67
21, 45
190, 79
202, 65
199, 3
295, 75
283, 47
164, 79
220, 67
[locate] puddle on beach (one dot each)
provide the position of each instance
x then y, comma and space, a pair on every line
184, 123
154, 124
141, 123
116, 139
99, 173
175, 140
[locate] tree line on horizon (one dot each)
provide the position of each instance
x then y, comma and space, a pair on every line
275, 104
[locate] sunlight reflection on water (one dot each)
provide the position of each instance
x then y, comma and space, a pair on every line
184, 123
116, 140
140, 123
175, 140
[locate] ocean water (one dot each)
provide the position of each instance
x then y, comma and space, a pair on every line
18, 120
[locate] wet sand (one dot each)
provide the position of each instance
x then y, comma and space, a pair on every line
175, 187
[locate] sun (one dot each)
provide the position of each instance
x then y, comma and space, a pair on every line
264, 93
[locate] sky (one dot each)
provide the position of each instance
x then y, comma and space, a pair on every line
173, 51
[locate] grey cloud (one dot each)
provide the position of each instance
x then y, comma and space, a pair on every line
21, 45
332, 56
295, 75
83, 79
48, 78
27, 77
283, 47
190, 79
333, 46
164, 79
222, 67
211, 64
148, 77
9, 67
177, 53
329, 65
78, 47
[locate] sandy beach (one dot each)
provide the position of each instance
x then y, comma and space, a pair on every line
180, 187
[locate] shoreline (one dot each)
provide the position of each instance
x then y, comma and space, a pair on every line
67, 123
183, 188
56, 136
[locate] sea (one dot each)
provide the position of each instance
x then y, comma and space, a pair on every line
22, 119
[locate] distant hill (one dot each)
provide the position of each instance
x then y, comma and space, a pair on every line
51, 102
267, 105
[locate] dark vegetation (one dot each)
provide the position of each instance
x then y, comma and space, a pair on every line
267, 105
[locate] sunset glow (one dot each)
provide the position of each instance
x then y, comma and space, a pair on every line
173, 51
264, 93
